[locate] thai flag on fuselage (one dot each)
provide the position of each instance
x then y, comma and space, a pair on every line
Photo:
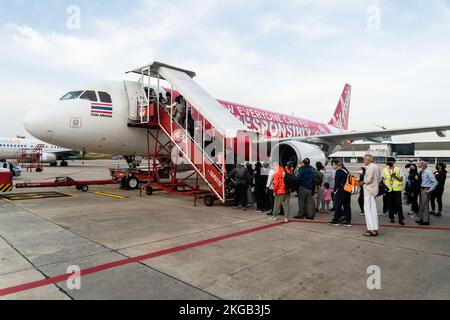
101, 109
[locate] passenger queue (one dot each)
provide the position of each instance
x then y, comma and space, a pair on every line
319, 191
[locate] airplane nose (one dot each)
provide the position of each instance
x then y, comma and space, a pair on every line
40, 123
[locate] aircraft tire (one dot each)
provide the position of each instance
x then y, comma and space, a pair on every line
64, 164
132, 183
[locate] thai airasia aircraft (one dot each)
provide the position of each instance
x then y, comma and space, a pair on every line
96, 119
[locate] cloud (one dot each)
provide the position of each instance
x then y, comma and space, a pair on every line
294, 57
307, 27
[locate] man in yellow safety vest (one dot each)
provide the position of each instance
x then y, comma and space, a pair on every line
393, 179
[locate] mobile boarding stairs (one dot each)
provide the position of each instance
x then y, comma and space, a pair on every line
214, 126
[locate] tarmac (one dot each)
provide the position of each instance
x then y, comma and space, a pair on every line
158, 247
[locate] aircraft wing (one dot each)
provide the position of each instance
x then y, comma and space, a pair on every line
373, 135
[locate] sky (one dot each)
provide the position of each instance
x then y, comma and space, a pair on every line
292, 56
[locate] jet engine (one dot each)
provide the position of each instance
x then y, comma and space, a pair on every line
296, 152
48, 158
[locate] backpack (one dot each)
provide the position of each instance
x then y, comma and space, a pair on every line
352, 184
290, 182
318, 177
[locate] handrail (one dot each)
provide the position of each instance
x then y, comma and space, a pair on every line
192, 139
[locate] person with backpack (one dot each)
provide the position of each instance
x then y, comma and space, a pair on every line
305, 179
342, 198
282, 194
242, 179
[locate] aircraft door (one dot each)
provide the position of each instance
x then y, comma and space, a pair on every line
134, 93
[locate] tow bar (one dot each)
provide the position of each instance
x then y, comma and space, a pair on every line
65, 182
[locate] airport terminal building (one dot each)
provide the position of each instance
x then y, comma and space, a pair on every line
432, 152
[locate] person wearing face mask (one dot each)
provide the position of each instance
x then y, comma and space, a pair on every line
394, 181
413, 190
441, 177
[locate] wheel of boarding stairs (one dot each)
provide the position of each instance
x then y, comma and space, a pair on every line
149, 190
39, 170
84, 188
209, 200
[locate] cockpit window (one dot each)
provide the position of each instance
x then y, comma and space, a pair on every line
72, 95
89, 95
104, 97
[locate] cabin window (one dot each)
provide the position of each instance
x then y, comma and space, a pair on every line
104, 97
89, 95
72, 95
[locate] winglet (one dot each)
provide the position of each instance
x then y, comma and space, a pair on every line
341, 115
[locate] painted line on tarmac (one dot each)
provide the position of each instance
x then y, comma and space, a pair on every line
381, 226
119, 263
110, 195
34, 196
6, 200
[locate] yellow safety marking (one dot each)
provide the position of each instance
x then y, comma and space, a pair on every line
108, 195
6, 187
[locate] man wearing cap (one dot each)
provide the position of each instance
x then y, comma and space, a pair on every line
393, 179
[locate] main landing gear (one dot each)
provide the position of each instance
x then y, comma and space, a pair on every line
63, 164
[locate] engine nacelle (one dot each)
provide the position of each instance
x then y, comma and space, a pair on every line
48, 158
296, 152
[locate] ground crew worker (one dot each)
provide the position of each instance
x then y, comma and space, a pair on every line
393, 179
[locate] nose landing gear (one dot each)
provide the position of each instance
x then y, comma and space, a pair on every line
131, 182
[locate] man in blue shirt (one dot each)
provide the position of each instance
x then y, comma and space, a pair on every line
428, 185
332, 180
305, 177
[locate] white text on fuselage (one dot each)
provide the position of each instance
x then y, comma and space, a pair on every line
276, 125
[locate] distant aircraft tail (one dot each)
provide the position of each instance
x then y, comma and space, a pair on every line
342, 113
